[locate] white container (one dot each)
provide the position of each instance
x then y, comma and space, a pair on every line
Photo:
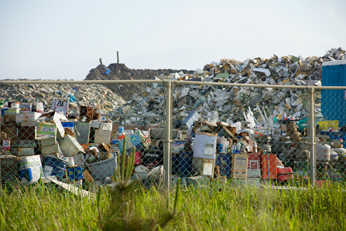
340, 151
30, 169
70, 146
177, 146
25, 151
205, 145
323, 153
79, 160
47, 140
47, 171
15, 105
27, 117
106, 126
70, 162
103, 169
39, 107
222, 145
102, 136
52, 149
334, 155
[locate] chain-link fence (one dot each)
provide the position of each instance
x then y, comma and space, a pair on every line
245, 134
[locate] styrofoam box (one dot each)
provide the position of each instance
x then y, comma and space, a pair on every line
50, 149
79, 160
103, 169
70, 146
102, 136
27, 117
25, 151
106, 126
205, 145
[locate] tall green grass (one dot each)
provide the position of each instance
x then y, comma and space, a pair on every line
44, 207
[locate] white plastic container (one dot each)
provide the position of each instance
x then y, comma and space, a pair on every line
39, 107
47, 171
222, 145
205, 145
323, 153
103, 169
30, 169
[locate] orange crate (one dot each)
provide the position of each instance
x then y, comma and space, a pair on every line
269, 168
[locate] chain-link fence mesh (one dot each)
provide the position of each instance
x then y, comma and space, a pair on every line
249, 135
77, 137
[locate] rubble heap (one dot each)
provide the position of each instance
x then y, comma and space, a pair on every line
231, 102
94, 94
120, 71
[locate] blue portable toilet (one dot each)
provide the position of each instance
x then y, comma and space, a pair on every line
333, 103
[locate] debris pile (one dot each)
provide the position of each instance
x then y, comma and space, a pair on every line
228, 104
75, 95
120, 71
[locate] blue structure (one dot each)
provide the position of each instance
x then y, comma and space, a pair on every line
333, 104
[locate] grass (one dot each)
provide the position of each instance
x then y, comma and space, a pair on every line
44, 207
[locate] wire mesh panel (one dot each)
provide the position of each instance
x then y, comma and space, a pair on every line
76, 133
331, 135
245, 134
218, 132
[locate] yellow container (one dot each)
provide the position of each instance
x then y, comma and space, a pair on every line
324, 125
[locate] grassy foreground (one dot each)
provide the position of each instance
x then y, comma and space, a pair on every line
47, 208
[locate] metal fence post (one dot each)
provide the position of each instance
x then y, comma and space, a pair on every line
312, 138
167, 135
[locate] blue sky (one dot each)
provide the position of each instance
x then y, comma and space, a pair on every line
43, 39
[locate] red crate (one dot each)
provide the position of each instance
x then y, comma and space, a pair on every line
285, 174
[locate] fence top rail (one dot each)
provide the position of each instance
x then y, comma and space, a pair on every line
240, 84
161, 81
78, 81
129, 115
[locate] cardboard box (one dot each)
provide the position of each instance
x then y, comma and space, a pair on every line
25, 151
102, 136
3, 135
178, 146
269, 167
70, 146
95, 124
86, 111
11, 131
79, 160
27, 117
106, 126
205, 145
27, 143
158, 134
9, 118
9, 168
69, 125
239, 166
47, 129
254, 166
12, 111
27, 133
203, 167
25, 107
51, 149
46, 140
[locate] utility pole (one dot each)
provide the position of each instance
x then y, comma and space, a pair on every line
118, 56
